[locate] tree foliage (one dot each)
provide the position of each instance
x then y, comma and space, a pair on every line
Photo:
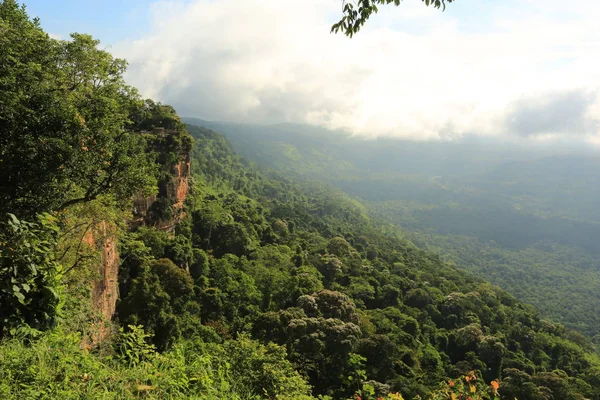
64, 114
29, 275
356, 14
414, 319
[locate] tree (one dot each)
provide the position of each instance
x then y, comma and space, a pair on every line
158, 299
321, 348
356, 15
330, 266
265, 370
64, 118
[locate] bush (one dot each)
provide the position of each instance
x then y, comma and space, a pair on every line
55, 367
29, 275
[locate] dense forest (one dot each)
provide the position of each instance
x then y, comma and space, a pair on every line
520, 216
143, 258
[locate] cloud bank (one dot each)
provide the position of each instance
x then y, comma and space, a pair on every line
528, 69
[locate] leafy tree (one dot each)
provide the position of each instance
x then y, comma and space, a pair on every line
154, 239
331, 267
321, 348
264, 370
158, 299
518, 384
382, 354
64, 117
232, 295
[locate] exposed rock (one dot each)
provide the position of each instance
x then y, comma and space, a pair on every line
105, 289
172, 194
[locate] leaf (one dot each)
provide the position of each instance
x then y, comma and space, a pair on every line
53, 292
13, 219
20, 297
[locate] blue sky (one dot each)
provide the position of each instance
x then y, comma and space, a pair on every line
522, 68
108, 20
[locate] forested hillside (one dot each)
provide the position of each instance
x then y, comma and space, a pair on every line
143, 258
523, 217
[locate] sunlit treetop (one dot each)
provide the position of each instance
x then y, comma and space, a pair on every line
356, 13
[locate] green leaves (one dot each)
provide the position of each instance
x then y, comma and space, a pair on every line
134, 345
77, 143
29, 275
355, 16
18, 294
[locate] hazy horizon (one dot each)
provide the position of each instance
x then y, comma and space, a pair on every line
540, 148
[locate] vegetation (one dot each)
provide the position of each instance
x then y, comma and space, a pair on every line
28, 291
524, 219
263, 287
55, 367
357, 13
75, 145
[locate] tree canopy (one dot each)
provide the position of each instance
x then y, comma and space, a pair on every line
65, 117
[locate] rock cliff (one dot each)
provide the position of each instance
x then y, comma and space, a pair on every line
163, 211
105, 289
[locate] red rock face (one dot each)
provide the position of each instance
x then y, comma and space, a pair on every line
105, 289
176, 190
181, 186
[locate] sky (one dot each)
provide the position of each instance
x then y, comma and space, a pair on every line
525, 69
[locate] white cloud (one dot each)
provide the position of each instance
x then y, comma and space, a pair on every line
414, 72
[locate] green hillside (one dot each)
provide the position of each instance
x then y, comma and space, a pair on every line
142, 258
524, 218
